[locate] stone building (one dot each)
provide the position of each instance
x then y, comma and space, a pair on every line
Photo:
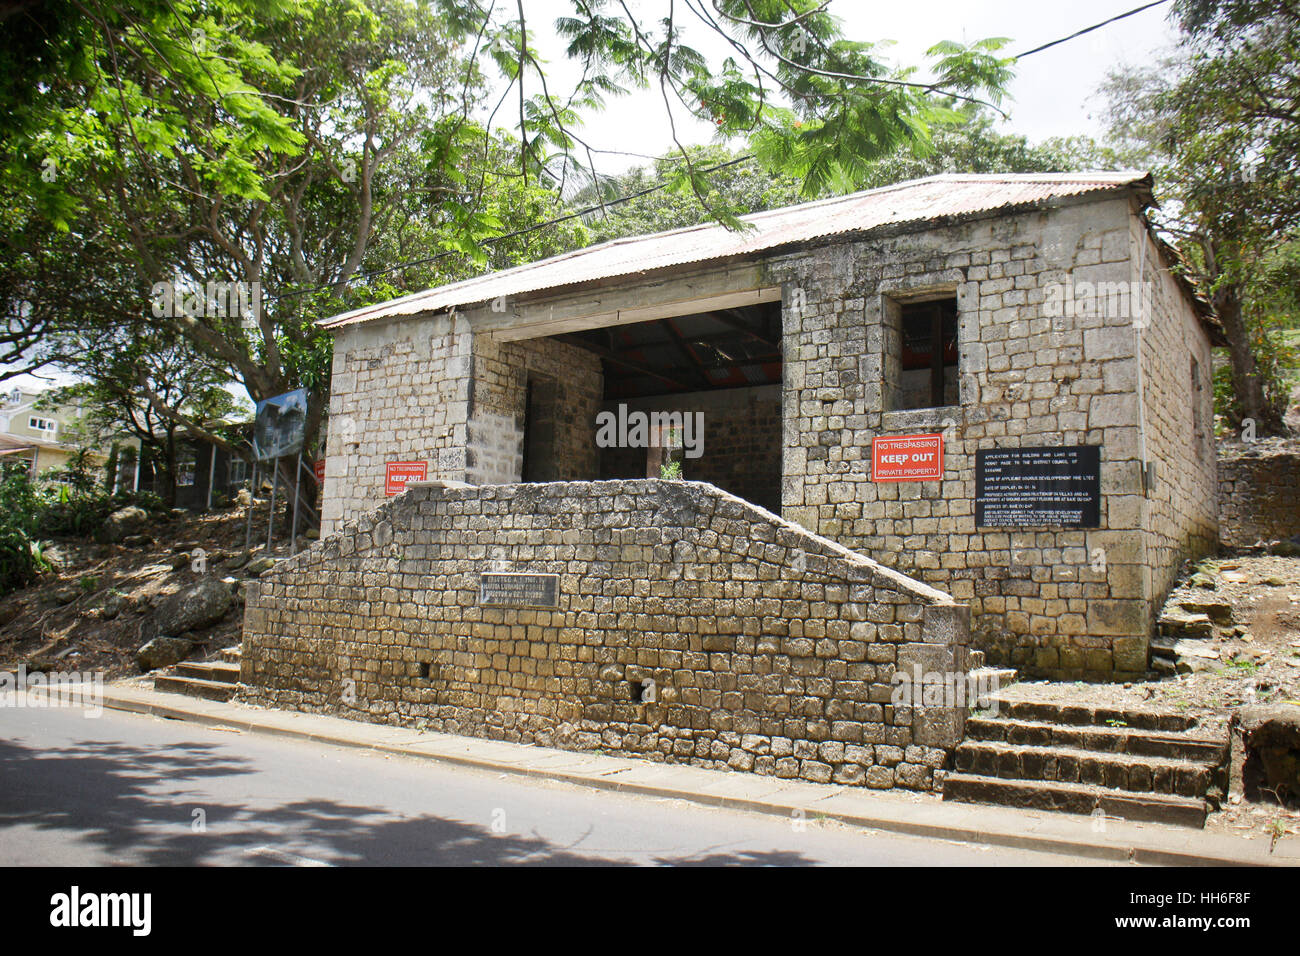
1033, 322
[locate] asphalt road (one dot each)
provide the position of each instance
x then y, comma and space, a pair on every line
128, 789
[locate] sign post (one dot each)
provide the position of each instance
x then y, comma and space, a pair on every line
297, 497
248, 523
270, 521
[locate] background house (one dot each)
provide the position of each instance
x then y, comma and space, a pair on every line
45, 438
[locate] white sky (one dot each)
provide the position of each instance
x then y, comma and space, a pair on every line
1052, 94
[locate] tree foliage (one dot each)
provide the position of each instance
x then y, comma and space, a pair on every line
1219, 121
328, 153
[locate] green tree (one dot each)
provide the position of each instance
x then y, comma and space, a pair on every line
137, 384
1219, 122
745, 185
311, 149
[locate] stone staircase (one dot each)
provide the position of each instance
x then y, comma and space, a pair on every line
1127, 763
213, 680
985, 675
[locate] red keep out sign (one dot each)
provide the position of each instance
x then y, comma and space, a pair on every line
320, 473
907, 458
400, 472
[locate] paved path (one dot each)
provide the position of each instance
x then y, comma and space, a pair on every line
128, 788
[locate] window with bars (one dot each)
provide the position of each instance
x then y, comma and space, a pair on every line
927, 354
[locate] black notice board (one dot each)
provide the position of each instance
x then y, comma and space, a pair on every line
1018, 487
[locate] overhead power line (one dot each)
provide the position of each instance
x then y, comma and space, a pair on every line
619, 200
1095, 26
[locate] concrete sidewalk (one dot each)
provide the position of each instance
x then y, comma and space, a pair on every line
896, 811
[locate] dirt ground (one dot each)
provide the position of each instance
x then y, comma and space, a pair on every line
93, 611
1258, 662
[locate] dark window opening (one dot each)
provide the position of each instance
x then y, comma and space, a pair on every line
928, 354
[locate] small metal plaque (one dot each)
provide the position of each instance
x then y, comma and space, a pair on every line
519, 590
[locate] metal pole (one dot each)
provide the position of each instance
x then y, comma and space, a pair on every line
212, 474
248, 523
270, 520
297, 495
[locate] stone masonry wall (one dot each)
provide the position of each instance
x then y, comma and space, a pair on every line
1039, 600
399, 391
497, 420
1177, 436
1259, 493
427, 388
773, 650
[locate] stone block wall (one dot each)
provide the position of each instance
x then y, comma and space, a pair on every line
502, 371
427, 388
399, 391
1040, 598
1177, 434
1259, 492
772, 650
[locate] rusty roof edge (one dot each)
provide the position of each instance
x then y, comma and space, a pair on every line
1101, 181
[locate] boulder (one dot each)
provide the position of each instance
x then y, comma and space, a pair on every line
115, 602
193, 608
259, 567
1270, 736
122, 522
1290, 548
162, 652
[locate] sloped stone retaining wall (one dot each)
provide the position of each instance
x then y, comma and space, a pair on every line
1259, 493
770, 649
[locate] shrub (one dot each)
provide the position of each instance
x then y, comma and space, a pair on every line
21, 561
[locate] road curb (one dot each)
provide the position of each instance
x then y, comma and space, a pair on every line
1134, 852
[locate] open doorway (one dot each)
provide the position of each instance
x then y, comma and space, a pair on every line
541, 454
696, 394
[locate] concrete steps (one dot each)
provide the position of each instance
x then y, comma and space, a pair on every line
1134, 764
212, 680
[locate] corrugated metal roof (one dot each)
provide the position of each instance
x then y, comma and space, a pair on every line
919, 200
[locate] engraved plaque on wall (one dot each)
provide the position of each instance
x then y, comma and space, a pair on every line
519, 590
1024, 487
